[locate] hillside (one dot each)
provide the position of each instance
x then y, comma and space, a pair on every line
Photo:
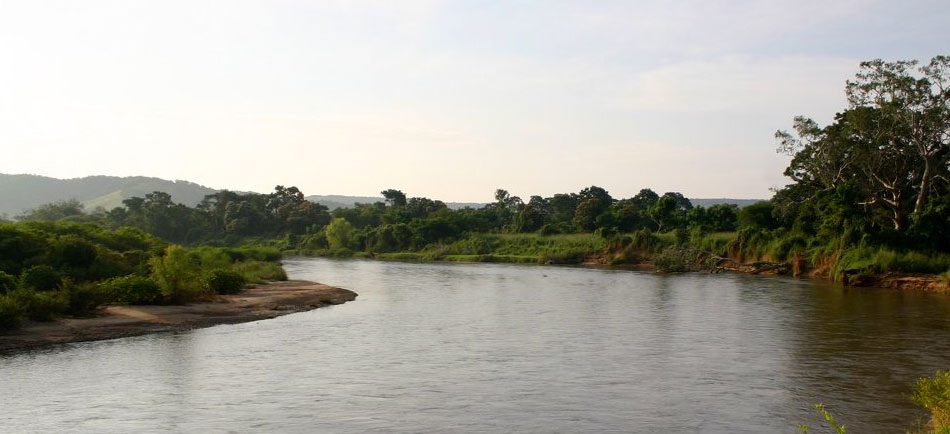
19, 193
334, 201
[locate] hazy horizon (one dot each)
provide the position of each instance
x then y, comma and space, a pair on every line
448, 100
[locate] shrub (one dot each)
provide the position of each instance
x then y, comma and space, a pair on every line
10, 313
7, 283
672, 260
339, 233
41, 306
259, 253
225, 281
132, 290
86, 297
41, 278
681, 235
73, 251
260, 272
178, 274
934, 394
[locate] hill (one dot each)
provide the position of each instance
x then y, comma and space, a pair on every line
334, 201
19, 193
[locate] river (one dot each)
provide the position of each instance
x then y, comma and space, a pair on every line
437, 348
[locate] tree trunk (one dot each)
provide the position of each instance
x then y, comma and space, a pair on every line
924, 188
898, 219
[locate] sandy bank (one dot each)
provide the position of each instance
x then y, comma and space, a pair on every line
261, 302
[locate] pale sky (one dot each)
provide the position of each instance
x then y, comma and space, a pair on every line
443, 99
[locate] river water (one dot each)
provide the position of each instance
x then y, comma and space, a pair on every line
440, 348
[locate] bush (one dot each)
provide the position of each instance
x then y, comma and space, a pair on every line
672, 260
178, 274
41, 278
132, 290
225, 281
260, 272
10, 313
86, 297
41, 306
934, 394
73, 251
7, 283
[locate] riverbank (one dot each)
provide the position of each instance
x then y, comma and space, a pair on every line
694, 260
260, 302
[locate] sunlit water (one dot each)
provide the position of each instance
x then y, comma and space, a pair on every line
502, 348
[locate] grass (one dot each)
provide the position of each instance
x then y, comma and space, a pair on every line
510, 248
513, 259
259, 272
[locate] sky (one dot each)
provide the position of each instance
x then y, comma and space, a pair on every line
444, 99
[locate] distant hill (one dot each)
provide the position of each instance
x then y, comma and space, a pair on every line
19, 193
706, 203
334, 201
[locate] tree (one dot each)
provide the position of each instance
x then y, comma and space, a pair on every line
54, 211
585, 218
913, 107
394, 197
891, 145
645, 198
663, 212
758, 215
339, 233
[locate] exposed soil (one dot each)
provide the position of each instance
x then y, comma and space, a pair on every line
261, 302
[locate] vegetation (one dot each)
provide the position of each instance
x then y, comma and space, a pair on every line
52, 269
931, 393
870, 194
225, 281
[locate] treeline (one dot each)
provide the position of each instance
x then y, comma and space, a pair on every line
400, 223
50, 269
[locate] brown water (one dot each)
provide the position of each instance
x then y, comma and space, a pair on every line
502, 348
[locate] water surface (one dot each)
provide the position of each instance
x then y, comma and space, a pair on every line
505, 348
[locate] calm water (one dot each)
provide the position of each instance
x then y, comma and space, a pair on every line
501, 348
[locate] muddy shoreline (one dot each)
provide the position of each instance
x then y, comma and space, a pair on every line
261, 302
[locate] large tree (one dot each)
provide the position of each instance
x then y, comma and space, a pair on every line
892, 143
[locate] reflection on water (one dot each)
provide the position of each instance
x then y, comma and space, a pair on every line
503, 348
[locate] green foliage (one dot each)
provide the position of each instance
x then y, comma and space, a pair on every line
178, 274
132, 290
675, 260
225, 281
73, 268
54, 211
758, 216
86, 297
41, 278
7, 283
260, 272
74, 252
40, 306
10, 312
829, 419
339, 234
934, 394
